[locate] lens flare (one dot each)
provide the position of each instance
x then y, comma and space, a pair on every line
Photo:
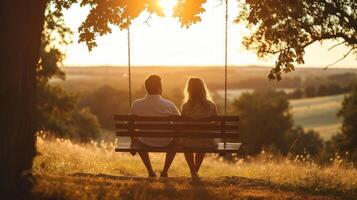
168, 6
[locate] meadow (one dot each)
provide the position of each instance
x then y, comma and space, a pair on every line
65, 170
319, 114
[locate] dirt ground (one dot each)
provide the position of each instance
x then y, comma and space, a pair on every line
90, 186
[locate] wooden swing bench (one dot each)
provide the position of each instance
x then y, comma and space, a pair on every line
221, 127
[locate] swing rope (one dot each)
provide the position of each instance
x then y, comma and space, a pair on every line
129, 67
225, 58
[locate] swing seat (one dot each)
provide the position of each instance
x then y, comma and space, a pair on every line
220, 127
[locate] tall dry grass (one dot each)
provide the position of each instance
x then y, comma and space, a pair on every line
62, 157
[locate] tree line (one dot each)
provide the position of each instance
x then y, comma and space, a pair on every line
266, 124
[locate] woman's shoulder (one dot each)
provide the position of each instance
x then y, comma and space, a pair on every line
211, 104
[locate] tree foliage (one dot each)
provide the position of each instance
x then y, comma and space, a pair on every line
104, 102
304, 142
265, 121
105, 13
346, 141
57, 110
287, 27
54, 39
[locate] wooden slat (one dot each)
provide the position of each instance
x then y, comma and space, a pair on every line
169, 134
177, 126
174, 118
229, 148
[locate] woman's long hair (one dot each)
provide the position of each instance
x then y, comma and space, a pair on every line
196, 92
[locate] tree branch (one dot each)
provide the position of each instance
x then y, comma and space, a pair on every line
336, 45
343, 57
147, 21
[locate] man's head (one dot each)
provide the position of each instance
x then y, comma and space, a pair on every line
153, 85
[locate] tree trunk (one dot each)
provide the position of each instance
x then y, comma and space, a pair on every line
21, 23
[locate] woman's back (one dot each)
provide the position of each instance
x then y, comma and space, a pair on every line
197, 111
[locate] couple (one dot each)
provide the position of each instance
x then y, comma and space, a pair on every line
197, 104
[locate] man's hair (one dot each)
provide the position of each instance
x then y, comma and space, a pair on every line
153, 84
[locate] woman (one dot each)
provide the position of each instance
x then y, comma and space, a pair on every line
197, 104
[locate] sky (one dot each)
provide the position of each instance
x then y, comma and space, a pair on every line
163, 42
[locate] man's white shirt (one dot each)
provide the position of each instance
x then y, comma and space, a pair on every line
154, 105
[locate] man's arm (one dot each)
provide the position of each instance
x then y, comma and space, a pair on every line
173, 110
215, 111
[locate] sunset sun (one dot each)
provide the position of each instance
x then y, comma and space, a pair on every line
167, 6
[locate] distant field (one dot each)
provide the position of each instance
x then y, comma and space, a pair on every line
311, 113
94, 77
319, 114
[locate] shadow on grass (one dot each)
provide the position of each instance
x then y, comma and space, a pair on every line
171, 187
301, 189
104, 186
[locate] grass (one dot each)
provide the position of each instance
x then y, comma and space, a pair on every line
94, 171
319, 114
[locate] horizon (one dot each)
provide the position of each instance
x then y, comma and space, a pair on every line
209, 66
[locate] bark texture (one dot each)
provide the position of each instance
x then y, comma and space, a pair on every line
21, 24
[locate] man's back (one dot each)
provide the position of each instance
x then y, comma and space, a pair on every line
154, 105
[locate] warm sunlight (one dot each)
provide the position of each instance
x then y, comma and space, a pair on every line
168, 6
109, 99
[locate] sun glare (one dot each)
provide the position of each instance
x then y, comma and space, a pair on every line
168, 6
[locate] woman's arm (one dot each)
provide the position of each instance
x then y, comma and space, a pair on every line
215, 112
184, 109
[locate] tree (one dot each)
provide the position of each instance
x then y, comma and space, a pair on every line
104, 102
322, 91
344, 79
59, 114
287, 27
84, 126
346, 141
334, 88
20, 46
265, 121
304, 142
310, 91
296, 94
57, 111
20, 36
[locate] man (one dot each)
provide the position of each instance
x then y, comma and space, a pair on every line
154, 105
